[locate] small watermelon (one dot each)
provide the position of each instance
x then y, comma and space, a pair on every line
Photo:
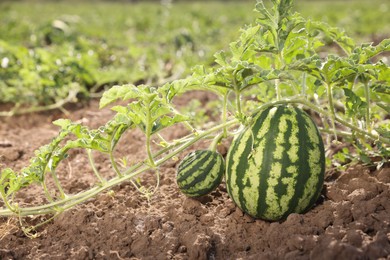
200, 172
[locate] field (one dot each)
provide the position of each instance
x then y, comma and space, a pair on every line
134, 87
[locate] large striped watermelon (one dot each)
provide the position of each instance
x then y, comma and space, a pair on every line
276, 166
200, 172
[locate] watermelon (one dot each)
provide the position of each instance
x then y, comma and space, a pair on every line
276, 165
200, 172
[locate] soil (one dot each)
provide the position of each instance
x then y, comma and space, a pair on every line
350, 221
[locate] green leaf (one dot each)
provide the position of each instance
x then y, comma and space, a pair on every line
11, 182
335, 34
384, 106
384, 130
166, 121
221, 58
265, 17
115, 93
367, 51
170, 90
354, 104
120, 109
63, 123
380, 87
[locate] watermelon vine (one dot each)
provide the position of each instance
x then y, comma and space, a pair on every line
278, 60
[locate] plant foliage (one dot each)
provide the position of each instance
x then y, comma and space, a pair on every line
279, 59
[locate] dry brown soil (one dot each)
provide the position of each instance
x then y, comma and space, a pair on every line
350, 221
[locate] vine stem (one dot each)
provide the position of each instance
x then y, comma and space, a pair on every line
58, 184
224, 112
114, 164
331, 106
149, 151
339, 132
238, 102
304, 87
148, 132
237, 92
4, 197
216, 140
92, 163
46, 190
345, 123
71, 201
368, 101
277, 89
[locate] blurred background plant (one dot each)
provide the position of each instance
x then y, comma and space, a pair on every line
58, 52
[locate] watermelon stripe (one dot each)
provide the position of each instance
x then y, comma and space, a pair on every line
303, 169
272, 170
245, 146
251, 189
191, 157
212, 180
200, 172
186, 170
245, 149
287, 183
315, 156
195, 177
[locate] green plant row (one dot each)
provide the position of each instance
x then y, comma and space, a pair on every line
58, 58
52, 53
276, 60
